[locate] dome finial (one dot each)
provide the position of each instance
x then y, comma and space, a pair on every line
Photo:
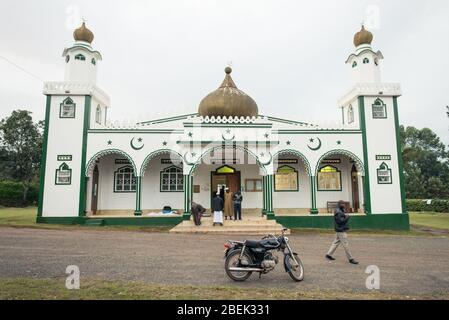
83, 34
228, 70
363, 37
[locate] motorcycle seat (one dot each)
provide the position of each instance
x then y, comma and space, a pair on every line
261, 243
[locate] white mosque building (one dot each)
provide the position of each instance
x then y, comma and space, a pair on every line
95, 172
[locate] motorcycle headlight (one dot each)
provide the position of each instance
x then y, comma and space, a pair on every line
286, 239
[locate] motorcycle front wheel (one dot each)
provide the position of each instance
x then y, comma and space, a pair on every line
232, 260
296, 271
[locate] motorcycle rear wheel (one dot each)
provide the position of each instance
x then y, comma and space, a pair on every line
296, 271
232, 260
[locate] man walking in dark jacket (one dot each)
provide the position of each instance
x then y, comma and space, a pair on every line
341, 221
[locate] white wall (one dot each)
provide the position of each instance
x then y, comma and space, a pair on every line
294, 199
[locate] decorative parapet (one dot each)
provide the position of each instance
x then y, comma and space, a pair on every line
243, 120
76, 88
371, 89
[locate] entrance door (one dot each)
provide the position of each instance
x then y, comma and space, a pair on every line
355, 189
94, 201
224, 176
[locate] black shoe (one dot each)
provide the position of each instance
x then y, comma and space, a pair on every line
353, 261
328, 257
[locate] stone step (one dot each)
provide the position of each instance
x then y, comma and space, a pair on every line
218, 230
257, 227
234, 223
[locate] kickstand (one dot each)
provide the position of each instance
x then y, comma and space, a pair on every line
260, 275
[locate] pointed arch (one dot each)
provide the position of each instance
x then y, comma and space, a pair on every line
298, 154
359, 163
154, 154
91, 163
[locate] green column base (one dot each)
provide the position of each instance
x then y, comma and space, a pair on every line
186, 216
270, 215
138, 212
314, 211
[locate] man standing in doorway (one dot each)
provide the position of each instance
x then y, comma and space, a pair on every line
217, 207
238, 198
341, 221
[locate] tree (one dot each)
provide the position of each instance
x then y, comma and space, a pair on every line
20, 149
426, 166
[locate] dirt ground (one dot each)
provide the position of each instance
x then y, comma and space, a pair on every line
408, 265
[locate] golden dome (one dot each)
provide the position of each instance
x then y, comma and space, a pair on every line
363, 37
83, 34
228, 101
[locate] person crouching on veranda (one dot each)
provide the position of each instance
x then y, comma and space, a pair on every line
197, 212
217, 207
341, 226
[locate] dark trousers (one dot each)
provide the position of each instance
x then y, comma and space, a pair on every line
237, 211
197, 218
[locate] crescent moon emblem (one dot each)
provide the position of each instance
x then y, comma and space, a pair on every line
133, 146
190, 162
317, 147
269, 157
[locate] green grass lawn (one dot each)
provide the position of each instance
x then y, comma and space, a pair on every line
430, 220
50, 289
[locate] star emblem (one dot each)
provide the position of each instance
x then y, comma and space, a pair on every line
262, 154
193, 154
228, 131
109, 142
190, 134
140, 139
164, 143
266, 135
312, 140
339, 142
289, 143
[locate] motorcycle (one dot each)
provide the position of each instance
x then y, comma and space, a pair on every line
242, 258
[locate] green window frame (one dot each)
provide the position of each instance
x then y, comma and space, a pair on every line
80, 57
354, 64
172, 179
329, 179
350, 114
384, 174
379, 109
98, 115
286, 179
67, 109
365, 61
125, 180
93, 61
63, 175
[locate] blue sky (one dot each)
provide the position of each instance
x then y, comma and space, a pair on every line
160, 58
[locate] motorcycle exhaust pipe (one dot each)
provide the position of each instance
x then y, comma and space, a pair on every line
246, 269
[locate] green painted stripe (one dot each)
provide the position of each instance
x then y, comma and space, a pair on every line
44, 158
138, 210
366, 187
86, 124
142, 131
220, 142
226, 125
315, 132
399, 150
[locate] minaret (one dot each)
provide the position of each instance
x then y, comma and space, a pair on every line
81, 60
364, 62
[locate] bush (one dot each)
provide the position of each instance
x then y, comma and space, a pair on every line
11, 194
422, 206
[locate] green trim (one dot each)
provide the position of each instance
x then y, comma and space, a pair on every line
297, 154
64, 157
379, 105
358, 222
148, 131
74, 108
177, 173
59, 169
162, 120
313, 208
86, 124
400, 160
187, 181
344, 152
44, 158
366, 180
119, 221
138, 211
154, 154
387, 169
226, 125
105, 152
270, 212
264, 194
190, 142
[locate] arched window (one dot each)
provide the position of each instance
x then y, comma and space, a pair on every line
93, 61
286, 179
384, 174
329, 179
98, 115
354, 64
80, 57
125, 180
350, 114
67, 108
366, 61
379, 109
172, 179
